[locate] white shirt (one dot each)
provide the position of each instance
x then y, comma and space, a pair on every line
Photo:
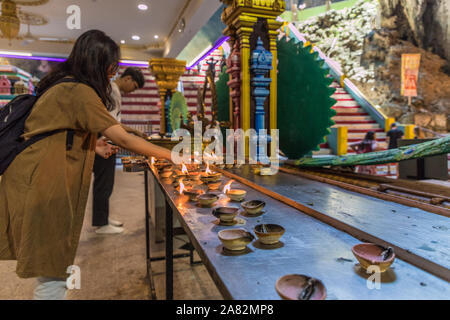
117, 101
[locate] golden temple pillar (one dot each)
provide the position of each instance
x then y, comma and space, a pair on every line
167, 73
240, 16
273, 35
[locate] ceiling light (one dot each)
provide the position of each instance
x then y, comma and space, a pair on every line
136, 38
14, 53
122, 41
181, 25
143, 7
156, 36
48, 39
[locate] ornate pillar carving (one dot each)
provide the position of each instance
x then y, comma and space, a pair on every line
240, 16
167, 73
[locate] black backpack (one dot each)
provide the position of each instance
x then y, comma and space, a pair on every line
12, 125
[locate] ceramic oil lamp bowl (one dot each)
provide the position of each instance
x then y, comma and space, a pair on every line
254, 206
371, 254
194, 176
161, 166
166, 173
213, 185
212, 177
269, 233
193, 194
256, 170
225, 214
207, 199
187, 183
236, 195
235, 239
300, 287
126, 160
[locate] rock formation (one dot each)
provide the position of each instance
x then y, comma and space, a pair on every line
368, 40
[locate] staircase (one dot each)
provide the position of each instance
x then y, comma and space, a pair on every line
358, 123
352, 116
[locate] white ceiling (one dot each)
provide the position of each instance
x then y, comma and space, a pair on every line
120, 19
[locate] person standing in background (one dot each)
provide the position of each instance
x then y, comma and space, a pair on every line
369, 144
104, 169
393, 135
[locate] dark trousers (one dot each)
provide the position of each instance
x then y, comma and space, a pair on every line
104, 170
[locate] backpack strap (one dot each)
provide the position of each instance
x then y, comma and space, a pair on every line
69, 139
63, 80
70, 133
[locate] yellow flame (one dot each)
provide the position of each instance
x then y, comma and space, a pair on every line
208, 171
184, 170
227, 187
182, 187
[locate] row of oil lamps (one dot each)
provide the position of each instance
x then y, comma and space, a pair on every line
291, 287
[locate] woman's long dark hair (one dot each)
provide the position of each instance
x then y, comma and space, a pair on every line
91, 57
370, 136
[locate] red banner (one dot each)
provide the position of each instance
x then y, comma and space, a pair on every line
410, 74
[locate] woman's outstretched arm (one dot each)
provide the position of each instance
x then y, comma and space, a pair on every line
135, 144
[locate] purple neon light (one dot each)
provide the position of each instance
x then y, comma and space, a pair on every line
32, 57
218, 43
64, 59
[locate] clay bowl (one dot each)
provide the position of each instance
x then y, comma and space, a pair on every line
269, 233
193, 194
213, 177
180, 175
161, 165
253, 206
194, 176
236, 195
371, 254
291, 286
187, 183
256, 170
207, 199
225, 214
166, 174
235, 239
126, 160
213, 185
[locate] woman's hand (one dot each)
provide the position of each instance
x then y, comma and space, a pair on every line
137, 145
104, 149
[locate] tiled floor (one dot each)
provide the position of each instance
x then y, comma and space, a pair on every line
114, 267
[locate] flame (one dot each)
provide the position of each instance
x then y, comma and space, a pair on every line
182, 187
227, 187
208, 171
152, 161
184, 170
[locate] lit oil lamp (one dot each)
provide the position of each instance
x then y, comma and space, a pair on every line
210, 176
181, 187
193, 194
234, 194
194, 176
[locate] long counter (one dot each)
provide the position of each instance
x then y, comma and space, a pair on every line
309, 246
